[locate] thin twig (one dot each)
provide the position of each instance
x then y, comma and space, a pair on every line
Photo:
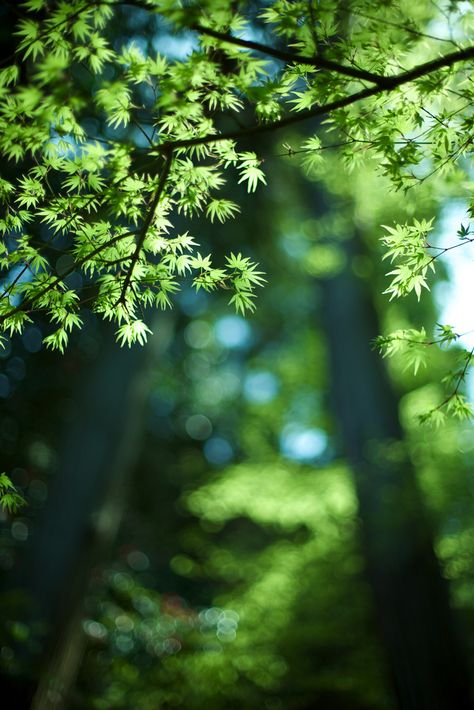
146, 225
34, 297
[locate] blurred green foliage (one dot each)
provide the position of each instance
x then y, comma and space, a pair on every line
263, 540
238, 577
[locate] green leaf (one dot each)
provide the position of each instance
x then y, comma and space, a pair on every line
10, 499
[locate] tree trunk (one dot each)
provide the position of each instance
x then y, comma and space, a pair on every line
411, 598
84, 508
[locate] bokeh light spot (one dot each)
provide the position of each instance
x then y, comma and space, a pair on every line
260, 387
198, 334
302, 444
233, 332
218, 451
198, 427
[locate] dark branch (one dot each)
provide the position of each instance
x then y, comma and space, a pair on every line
447, 60
147, 223
317, 62
386, 85
23, 306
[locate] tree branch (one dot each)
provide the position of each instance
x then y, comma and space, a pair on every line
23, 306
317, 62
146, 224
386, 85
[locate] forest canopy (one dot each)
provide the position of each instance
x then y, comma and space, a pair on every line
109, 223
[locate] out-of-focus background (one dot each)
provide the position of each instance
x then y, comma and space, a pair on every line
245, 513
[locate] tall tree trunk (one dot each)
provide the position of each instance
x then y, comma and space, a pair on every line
100, 447
411, 598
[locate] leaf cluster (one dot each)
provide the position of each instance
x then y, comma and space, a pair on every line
10, 499
100, 210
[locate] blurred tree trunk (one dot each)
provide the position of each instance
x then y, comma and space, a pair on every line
86, 505
411, 598
100, 447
